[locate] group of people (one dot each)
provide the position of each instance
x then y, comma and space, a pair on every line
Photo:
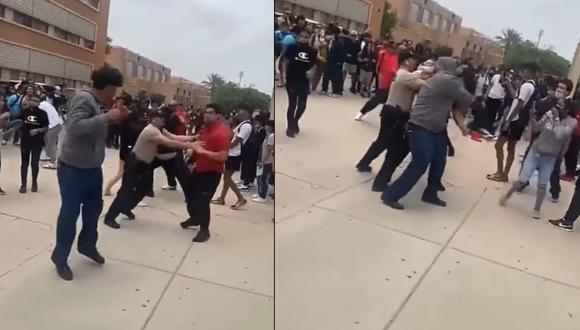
31, 117
420, 89
196, 149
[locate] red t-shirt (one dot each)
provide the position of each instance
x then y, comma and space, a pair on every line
388, 66
217, 137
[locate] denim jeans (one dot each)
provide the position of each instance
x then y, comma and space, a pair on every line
79, 187
267, 170
428, 150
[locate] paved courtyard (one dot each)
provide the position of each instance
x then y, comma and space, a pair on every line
154, 278
345, 261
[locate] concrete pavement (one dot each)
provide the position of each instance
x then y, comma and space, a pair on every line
343, 260
154, 277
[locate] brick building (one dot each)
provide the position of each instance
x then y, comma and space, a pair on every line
574, 72
143, 74
52, 41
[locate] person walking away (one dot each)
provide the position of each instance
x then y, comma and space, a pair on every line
493, 102
300, 58
14, 103
136, 181
321, 46
251, 153
555, 128
387, 68
80, 177
241, 134
334, 66
515, 122
34, 128
351, 61
426, 133
267, 163
368, 64
51, 138
208, 164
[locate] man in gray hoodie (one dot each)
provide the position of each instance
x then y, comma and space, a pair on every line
80, 177
441, 95
555, 129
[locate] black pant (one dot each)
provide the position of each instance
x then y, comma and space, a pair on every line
201, 188
113, 136
30, 156
450, 146
249, 164
571, 157
493, 108
134, 187
379, 145
381, 96
396, 144
297, 97
574, 208
175, 170
555, 187
333, 73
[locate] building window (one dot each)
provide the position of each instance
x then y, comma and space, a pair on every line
22, 19
467, 45
89, 44
141, 71
445, 25
414, 12
38, 78
177, 91
59, 33
129, 68
94, 3
73, 38
14, 75
426, 17
436, 19
452, 29
2, 11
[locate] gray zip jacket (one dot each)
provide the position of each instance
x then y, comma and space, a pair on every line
554, 135
82, 140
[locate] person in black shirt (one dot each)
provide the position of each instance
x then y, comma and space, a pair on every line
301, 58
32, 140
368, 64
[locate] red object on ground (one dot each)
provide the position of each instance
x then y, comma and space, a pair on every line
567, 178
475, 136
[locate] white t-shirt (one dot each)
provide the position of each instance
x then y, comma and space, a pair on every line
479, 87
243, 131
497, 91
53, 116
524, 93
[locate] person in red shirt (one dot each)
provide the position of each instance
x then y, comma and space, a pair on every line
208, 164
387, 66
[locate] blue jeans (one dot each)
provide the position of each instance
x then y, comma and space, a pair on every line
428, 150
78, 187
267, 170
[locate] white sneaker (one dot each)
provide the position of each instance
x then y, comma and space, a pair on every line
359, 116
168, 187
143, 204
260, 200
255, 196
49, 166
536, 215
554, 199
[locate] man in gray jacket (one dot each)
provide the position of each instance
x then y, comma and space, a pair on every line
80, 177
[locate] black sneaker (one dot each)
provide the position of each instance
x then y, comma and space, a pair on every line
22, 190
441, 188
34, 187
394, 205
434, 200
451, 152
378, 188
112, 223
151, 194
364, 169
189, 223
290, 133
94, 256
202, 236
2, 192
560, 224
129, 215
64, 272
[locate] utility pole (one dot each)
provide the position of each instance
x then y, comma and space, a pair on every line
540, 35
241, 75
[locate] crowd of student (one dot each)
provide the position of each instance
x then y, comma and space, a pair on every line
196, 149
420, 88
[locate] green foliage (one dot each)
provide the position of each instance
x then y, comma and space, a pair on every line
157, 98
230, 95
549, 61
509, 38
213, 81
389, 21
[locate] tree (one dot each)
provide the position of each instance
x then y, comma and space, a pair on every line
230, 94
508, 39
213, 81
389, 21
548, 59
157, 98
241, 76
